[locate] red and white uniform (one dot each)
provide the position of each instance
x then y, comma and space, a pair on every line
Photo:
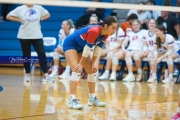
136, 40
114, 39
150, 39
169, 41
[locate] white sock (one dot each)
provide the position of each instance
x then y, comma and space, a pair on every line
113, 73
130, 73
72, 96
106, 72
178, 109
139, 70
68, 69
56, 68
154, 75
170, 76
92, 95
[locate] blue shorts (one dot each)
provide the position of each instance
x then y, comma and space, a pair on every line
72, 43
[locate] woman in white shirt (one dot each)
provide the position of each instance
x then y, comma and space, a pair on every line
150, 39
29, 33
113, 44
134, 51
67, 28
170, 50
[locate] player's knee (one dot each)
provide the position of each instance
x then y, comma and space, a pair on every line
92, 77
56, 56
75, 76
128, 61
110, 55
170, 61
115, 60
149, 57
136, 57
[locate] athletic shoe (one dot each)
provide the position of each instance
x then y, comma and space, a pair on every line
74, 104
94, 101
28, 78
129, 78
139, 77
112, 77
47, 78
176, 117
104, 76
168, 80
54, 74
152, 79
65, 75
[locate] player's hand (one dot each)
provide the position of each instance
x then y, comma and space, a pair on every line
145, 53
94, 68
79, 68
158, 60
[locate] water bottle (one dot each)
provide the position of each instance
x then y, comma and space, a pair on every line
146, 75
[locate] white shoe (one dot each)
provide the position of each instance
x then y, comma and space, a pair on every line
168, 80
152, 79
129, 78
28, 78
175, 72
139, 77
94, 101
47, 78
104, 76
54, 74
112, 77
65, 75
74, 104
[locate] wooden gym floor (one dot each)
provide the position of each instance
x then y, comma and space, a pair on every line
35, 100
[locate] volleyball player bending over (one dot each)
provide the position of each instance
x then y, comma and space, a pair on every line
77, 47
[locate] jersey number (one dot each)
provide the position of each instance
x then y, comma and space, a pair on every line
135, 37
151, 42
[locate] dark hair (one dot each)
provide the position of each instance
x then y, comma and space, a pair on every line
167, 3
151, 1
132, 17
108, 20
158, 40
141, 2
70, 23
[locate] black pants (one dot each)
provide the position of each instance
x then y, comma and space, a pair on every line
39, 48
4, 10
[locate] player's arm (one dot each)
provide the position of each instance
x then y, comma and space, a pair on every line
169, 52
125, 43
92, 35
97, 51
155, 51
107, 45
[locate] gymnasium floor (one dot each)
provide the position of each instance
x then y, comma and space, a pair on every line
47, 101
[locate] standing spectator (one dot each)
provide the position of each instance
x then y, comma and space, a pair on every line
170, 23
140, 14
84, 20
4, 10
177, 14
29, 16
151, 14
126, 26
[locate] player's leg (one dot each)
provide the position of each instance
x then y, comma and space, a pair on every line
110, 54
128, 58
137, 58
75, 77
93, 100
116, 57
170, 67
177, 115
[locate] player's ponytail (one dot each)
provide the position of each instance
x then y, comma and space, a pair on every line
70, 23
158, 39
109, 20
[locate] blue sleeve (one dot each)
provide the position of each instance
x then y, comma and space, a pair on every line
101, 44
90, 45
